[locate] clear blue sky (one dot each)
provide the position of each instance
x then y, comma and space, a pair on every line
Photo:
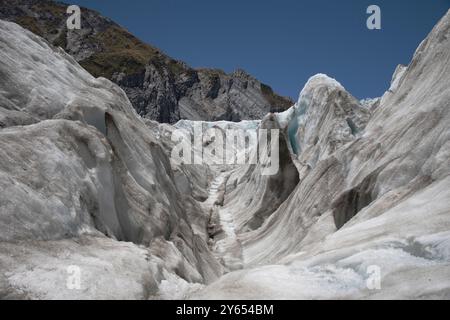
283, 42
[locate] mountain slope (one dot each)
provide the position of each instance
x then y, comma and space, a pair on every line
159, 87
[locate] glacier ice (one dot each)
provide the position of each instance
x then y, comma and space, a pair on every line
85, 181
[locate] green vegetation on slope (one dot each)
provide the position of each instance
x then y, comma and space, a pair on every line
122, 52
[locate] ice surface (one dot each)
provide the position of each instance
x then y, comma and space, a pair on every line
388, 183
87, 182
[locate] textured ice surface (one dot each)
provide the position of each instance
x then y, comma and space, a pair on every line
379, 198
89, 166
87, 182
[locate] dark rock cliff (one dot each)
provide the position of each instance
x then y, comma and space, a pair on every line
159, 87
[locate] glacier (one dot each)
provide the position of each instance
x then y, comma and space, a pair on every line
87, 182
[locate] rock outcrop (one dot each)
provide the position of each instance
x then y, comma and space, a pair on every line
159, 87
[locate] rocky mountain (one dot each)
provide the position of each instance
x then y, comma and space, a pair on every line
358, 209
159, 87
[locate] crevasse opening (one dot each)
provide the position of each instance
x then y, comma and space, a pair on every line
294, 123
